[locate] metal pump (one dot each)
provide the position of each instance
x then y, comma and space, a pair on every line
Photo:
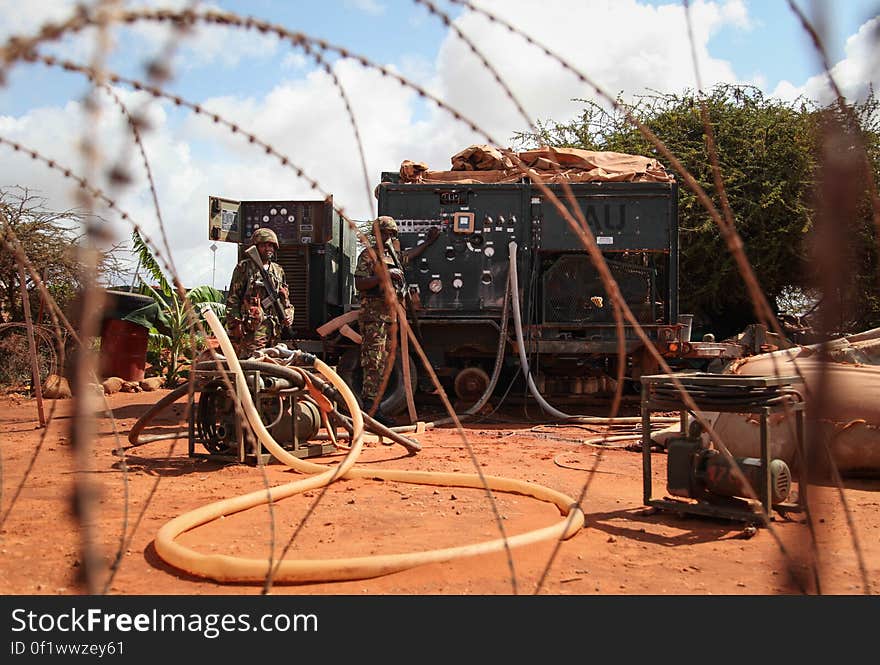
284, 406
697, 471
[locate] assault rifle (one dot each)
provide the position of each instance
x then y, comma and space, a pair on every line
273, 299
407, 297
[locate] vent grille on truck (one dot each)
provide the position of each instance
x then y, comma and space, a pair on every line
571, 282
295, 261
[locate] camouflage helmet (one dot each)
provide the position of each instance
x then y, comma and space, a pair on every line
387, 223
264, 235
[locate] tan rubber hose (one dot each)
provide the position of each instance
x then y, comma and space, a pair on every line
225, 568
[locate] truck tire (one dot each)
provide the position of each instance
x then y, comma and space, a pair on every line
394, 400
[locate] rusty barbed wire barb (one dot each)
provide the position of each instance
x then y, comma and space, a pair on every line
82, 424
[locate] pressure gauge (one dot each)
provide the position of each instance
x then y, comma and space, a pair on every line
457, 283
435, 286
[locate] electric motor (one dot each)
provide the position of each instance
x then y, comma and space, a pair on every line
698, 472
720, 479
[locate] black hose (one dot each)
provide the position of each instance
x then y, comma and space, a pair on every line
279, 371
376, 427
297, 381
152, 412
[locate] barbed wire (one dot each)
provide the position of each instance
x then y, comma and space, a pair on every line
24, 49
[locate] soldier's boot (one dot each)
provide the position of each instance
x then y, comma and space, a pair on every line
379, 416
383, 419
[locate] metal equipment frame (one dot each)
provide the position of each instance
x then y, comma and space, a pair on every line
242, 431
730, 507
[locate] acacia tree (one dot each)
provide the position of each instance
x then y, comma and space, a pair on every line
49, 238
767, 150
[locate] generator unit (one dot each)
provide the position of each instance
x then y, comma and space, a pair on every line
458, 284
216, 430
709, 482
696, 470
316, 249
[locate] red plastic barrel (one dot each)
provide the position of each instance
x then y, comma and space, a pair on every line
123, 350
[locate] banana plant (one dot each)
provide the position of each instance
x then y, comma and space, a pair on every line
170, 317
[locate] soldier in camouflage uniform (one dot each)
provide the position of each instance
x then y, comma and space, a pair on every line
376, 317
250, 325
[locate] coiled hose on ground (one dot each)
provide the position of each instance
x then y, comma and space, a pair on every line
226, 568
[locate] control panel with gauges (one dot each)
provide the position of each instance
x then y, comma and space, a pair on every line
460, 281
294, 222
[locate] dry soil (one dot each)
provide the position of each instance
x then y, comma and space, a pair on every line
624, 548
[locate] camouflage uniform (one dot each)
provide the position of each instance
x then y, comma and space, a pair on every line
375, 322
250, 325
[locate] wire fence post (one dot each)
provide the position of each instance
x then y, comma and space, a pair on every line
32, 345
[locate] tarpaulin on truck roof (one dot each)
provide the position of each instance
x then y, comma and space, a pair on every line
488, 164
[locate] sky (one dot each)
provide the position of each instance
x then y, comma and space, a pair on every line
285, 97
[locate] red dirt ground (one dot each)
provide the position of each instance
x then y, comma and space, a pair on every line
623, 549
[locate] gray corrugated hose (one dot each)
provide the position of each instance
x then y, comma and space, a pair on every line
524, 361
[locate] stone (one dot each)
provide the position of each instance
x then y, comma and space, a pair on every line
112, 385
56, 387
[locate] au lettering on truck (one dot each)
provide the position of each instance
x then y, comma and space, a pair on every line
606, 217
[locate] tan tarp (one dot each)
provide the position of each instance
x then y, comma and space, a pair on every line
487, 164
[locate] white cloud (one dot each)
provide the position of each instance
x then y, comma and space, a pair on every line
294, 61
855, 74
304, 118
368, 6
652, 51
24, 18
736, 13
213, 44
306, 121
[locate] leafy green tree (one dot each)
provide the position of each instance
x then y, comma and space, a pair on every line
173, 339
768, 154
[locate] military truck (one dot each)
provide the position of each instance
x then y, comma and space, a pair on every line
458, 286
459, 283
